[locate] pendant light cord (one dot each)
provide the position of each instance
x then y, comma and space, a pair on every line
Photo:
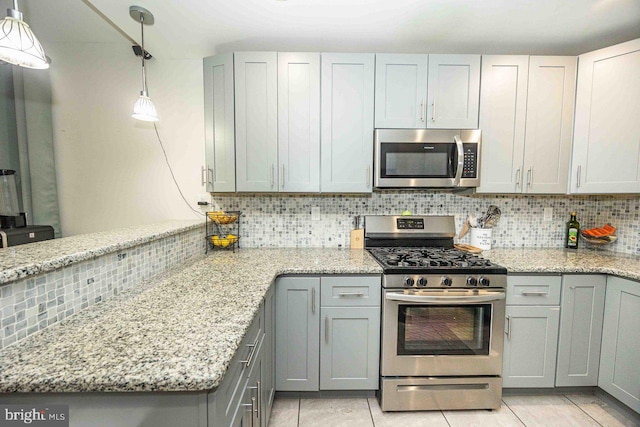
166, 159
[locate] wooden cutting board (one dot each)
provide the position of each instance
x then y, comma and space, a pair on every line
467, 248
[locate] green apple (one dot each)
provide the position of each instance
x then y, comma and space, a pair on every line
406, 213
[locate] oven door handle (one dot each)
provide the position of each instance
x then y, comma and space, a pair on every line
445, 299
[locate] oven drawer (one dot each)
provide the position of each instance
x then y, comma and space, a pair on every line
534, 290
350, 291
421, 394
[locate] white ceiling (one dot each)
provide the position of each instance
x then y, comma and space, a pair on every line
198, 28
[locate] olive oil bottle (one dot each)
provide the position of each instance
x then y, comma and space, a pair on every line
573, 230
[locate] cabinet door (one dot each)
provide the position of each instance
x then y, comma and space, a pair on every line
350, 348
581, 317
219, 124
503, 110
530, 346
550, 105
606, 143
256, 83
401, 91
268, 380
619, 374
299, 121
297, 336
347, 122
454, 91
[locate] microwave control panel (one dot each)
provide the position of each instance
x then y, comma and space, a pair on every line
469, 170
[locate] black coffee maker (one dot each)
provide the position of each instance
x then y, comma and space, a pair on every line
13, 223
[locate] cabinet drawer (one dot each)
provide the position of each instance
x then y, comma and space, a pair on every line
533, 290
350, 291
227, 396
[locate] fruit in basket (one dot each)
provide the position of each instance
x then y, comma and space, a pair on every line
602, 232
232, 238
221, 217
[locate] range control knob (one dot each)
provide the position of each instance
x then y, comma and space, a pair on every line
484, 281
422, 281
408, 281
472, 281
446, 281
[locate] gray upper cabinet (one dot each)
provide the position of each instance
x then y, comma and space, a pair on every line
299, 122
550, 106
503, 110
581, 317
526, 117
401, 91
256, 94
347, 122
298, 330
619, 374
453, 91
606, 143
220, 173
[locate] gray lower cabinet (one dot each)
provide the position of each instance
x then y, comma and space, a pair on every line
531, 331
268, 384
349, 348
530, 346
335, 346
581, 315
297, 332
619, 374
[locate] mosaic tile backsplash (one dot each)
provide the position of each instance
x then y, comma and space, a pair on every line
32, 304
285, 220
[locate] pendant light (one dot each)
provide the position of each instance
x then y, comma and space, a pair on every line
143, 109
18, 44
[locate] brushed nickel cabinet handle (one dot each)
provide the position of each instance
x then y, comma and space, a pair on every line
529, 174
313, 300
368, 176
282, 185
422, 104
272, 175
579, 175
326, 329
203, 175
517, 178
534, 293
433, 110
508, 332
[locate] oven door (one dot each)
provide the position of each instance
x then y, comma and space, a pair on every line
442, 332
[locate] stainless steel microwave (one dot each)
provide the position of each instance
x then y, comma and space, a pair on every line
413, 158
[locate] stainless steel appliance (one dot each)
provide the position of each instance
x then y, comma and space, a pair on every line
13, 223
442, 317
409, 158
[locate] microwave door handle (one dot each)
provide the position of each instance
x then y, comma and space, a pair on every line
460, 148
445, 299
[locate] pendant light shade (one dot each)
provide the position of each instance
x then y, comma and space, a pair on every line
143, 109
18, 44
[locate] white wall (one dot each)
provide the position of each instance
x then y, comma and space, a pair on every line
111, 170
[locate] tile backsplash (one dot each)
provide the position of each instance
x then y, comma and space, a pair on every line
285, 220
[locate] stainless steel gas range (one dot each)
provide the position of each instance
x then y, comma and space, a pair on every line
442, 317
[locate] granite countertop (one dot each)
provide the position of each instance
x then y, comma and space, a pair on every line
180, 331
177, 333
25, 260
566, 261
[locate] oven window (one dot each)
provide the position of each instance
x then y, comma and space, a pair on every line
442, 329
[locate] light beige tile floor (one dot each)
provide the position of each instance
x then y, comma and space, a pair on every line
527, 410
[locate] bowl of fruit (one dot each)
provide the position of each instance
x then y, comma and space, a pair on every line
599, 236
